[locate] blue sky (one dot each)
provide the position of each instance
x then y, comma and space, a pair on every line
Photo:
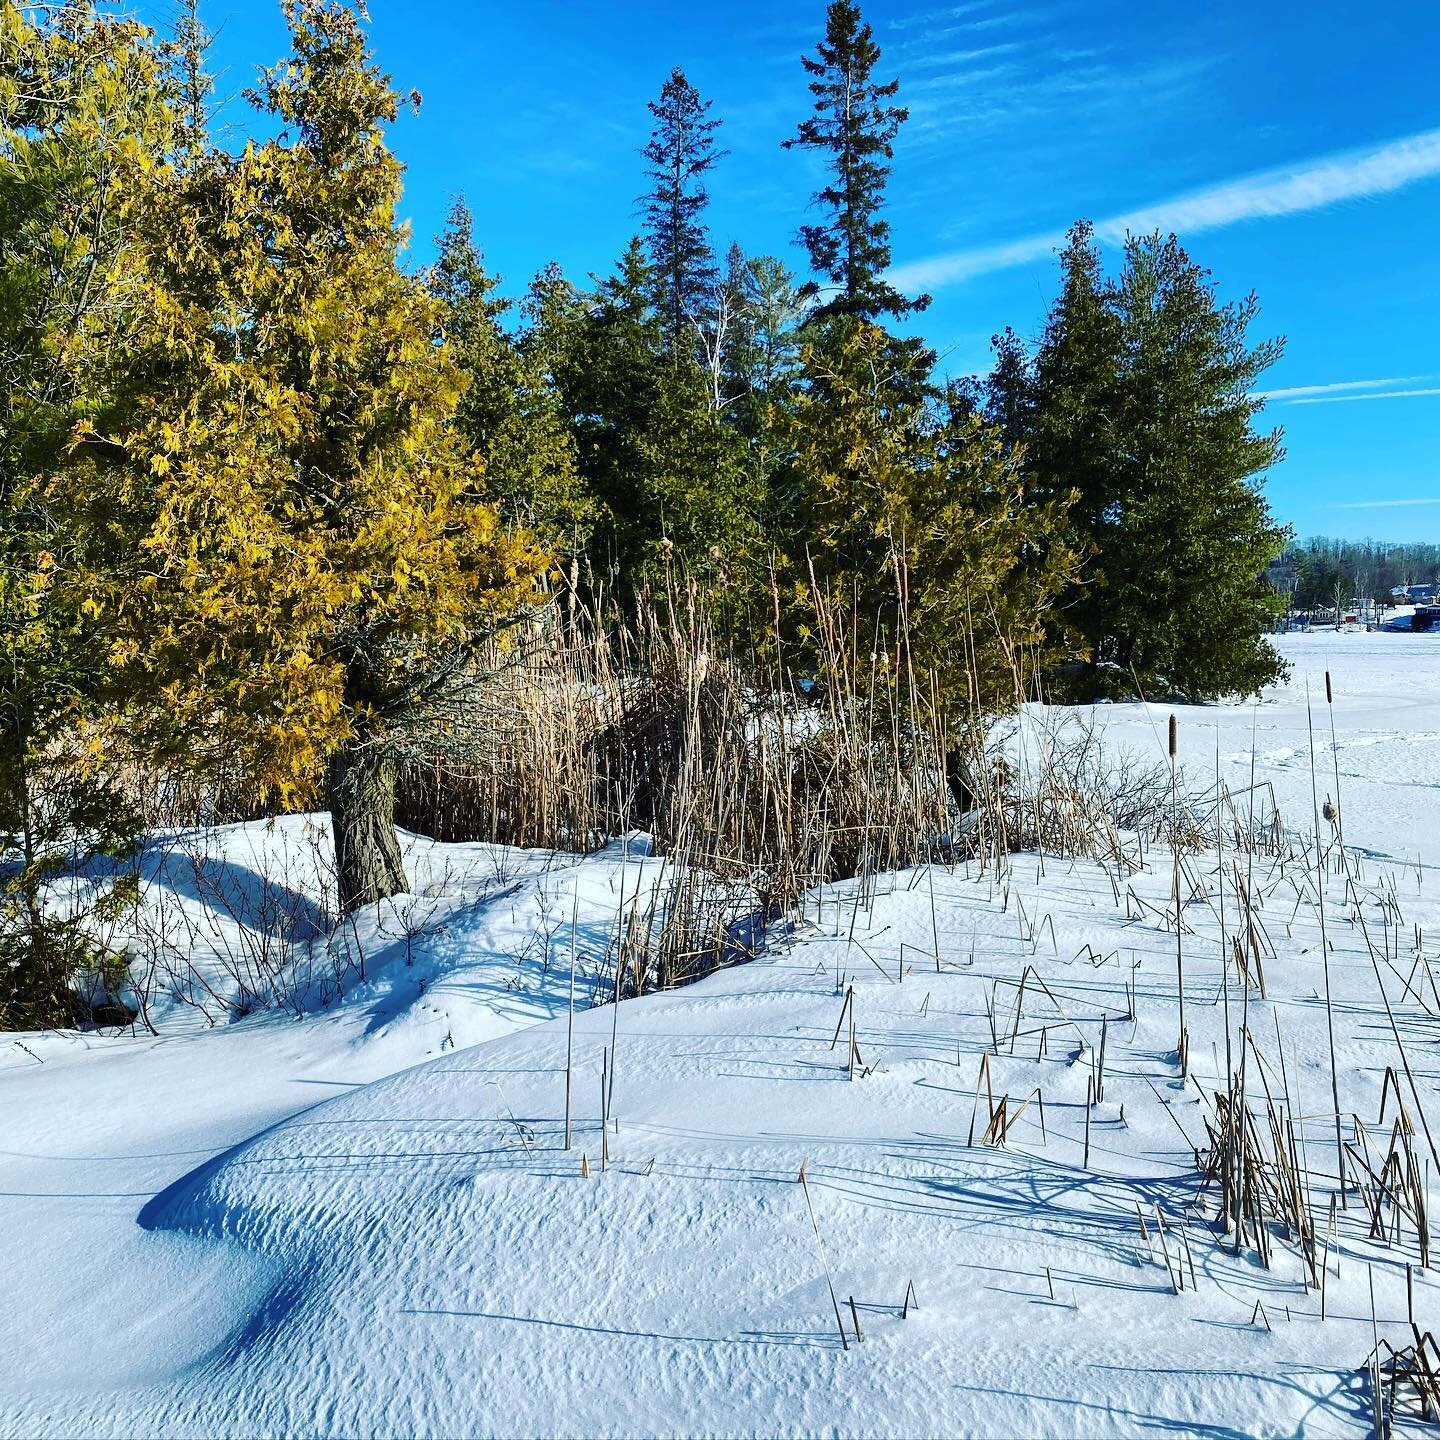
1295, 147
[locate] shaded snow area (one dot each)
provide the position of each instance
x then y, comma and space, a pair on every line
272, 1226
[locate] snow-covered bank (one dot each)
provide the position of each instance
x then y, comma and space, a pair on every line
240, 917
247, 1230
93, 1124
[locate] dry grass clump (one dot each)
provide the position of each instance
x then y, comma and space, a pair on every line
784, 779
1049, 783
730, 763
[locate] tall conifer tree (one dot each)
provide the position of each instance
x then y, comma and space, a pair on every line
1186, 543
855, 126
681, 152
1070, 433
281, 520
1143, 403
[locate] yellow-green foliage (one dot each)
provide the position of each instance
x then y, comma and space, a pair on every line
916, 512
81, 114
285, 534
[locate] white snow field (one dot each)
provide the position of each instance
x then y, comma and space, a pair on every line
1386, 689
274, 1227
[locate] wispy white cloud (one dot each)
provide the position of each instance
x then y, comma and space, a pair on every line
1371, 395
1285, 190
1010, 18
1294, 391
954, 59
981, 260
929, 19
1385, 504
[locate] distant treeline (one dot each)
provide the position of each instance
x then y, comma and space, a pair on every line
1321, 572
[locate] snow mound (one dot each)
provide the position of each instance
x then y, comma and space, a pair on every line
328, 1247
442, 1262
240, 919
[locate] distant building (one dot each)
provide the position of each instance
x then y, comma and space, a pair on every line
1415, 594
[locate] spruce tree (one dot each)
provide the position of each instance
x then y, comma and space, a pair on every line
681, 152
1185, 547
1069, 433
509, 415
854, 126
1142, 403
1077, 374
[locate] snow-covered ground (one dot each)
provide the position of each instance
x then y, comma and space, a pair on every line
1386, 714
274, 1226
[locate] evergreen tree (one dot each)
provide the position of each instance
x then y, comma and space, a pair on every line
757, 357
763, 350
1074, 395
917, 510
1009, 393
283, 525
750, 350
663, 465
1186, 546
681, 152
191, 84
1318, 578
83, 116
855, 125
509, 415
1070, 438
1142, 403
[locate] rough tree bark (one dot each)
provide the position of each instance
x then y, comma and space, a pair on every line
360, 790
957, 778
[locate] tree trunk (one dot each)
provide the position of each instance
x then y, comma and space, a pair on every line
957, 778
360, 788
